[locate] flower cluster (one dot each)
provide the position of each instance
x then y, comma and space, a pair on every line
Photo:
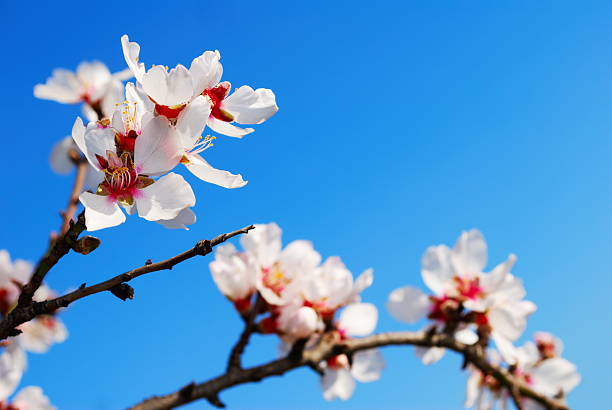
477, 307
36, 336
538, 364
133, 145
298, 297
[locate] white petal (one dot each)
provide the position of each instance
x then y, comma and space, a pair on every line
139, 102
473, 388
131, 53
298, 321
40, 333
249, 106
408, 304
95, 78
12, 366
32, 398
436, 269
228, 129
299, 257
59, 159
507, 350
554, 375
165, 198
466, 336
157, 149
429, 355
206, 71
184, 218
63, 87
100, 211
507, 322
470, 252
234, 278
263, 243
337, 384
367, 365
492, 281
168, 88
97, 142
192, 120
203, 170
358, 319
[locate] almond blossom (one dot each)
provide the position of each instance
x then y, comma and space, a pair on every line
173, 90
41, 332
465, 299
93, 84
127, 180
30, 398
538, 365
279, 273
338, 380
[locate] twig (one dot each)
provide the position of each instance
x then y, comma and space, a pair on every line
234, 362
26, 312
329, 347
80, 163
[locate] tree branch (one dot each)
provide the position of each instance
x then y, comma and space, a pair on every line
328, 347
234, 362
26, 312
80, 162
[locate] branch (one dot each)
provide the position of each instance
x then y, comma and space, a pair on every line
249, 327
27, 312
328, 347
80, 163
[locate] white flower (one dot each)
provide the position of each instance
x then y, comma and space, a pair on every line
12, 276
456, 278
172, 91
551, 376
31, 398
126, 180
92, 84
279, 273
41, 332
331, 286
233, 276
338, 380
12, 365
297, 321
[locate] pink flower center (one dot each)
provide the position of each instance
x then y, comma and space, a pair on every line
274, 278
217, 95
468, 288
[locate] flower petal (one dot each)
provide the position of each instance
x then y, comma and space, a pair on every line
131, 53
249, 106
59, 160
63, 86
436, 268
228, 129
408, 304
206, 71
337, 384
157, 149
192, 120
184, 218
168, 88
203, 170
165, 198
358, 319
12, 365
429, 355
367, 365
100, 211
32, 398
469, 255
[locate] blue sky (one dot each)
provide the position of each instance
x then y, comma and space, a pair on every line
400, 125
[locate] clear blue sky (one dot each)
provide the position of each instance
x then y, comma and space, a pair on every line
400, 124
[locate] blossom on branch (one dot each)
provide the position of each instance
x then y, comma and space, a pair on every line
466, 302
92, 84
538, 365
173, 90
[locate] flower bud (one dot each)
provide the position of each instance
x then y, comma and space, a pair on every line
86, 244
